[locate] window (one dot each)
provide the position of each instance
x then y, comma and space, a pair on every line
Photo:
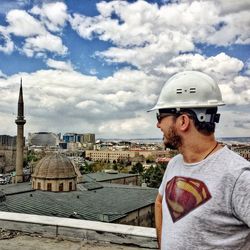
49, 186
60, 187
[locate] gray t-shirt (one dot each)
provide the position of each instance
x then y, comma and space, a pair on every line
206, 205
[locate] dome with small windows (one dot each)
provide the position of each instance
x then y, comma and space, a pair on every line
55, 173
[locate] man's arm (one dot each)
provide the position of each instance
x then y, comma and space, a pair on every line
241, 197
158, 218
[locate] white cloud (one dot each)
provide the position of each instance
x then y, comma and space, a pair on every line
7, 5
53, 15
229, 96
152, 38
38, 40
115, 106
241, 83
225, 69
247, 67
44, 43
60, 65
89, 105
167, 46
23, 24
125, 127
8, 45
234, 29
221, 66
7, 123
236, 121
147, 36
93, 71
232, 7
2, 75
68, 99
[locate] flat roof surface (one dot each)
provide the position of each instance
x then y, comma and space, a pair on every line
101, 176
105, 202
16, 188
31, 242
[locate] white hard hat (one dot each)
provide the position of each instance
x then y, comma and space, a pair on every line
189, 89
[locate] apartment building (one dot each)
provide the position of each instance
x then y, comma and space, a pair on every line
111, 156
108, 155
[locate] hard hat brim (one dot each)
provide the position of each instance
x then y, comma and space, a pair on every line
188, 105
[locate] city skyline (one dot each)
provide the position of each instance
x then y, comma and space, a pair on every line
97, 67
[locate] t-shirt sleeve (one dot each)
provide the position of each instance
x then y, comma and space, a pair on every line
241, 197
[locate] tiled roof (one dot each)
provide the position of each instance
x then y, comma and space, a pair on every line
103, 204
16, 188
89, 186
101, 176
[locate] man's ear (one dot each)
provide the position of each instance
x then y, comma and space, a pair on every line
184, 122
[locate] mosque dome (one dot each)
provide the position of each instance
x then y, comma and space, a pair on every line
54, 166
55, 173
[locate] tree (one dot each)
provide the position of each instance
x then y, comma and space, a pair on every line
31, 157
153, 176
86, 168
137, 168
150, 159
115, 167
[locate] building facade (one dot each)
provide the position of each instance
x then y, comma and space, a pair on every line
44, 139
109, 156
88, 138
71, 137
117, 155
113, 177
7, 153
7, 141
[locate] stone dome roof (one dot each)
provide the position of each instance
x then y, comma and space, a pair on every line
55, 166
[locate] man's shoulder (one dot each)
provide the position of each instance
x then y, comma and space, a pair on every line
232, 160
177, 158
233, 156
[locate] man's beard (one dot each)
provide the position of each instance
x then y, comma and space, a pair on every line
172, 140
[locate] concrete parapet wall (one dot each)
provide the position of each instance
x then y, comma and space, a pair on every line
75, 229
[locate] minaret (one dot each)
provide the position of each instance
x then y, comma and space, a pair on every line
20, 139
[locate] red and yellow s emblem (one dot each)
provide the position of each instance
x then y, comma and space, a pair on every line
184, 195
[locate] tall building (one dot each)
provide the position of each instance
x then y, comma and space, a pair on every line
89, 138
71, 137
7, 141
20, 121
83, 138
44, 139
7, 153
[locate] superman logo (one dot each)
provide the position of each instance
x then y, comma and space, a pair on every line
184, 195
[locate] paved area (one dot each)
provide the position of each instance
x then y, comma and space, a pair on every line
17, 241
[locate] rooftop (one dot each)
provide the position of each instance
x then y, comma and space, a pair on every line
101, 176
92, 201
26, 231
27, 242
16, 188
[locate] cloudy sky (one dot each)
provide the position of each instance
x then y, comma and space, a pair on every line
96, 66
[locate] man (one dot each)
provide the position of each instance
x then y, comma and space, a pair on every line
204, 198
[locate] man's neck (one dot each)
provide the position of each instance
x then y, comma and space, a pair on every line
199, 149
